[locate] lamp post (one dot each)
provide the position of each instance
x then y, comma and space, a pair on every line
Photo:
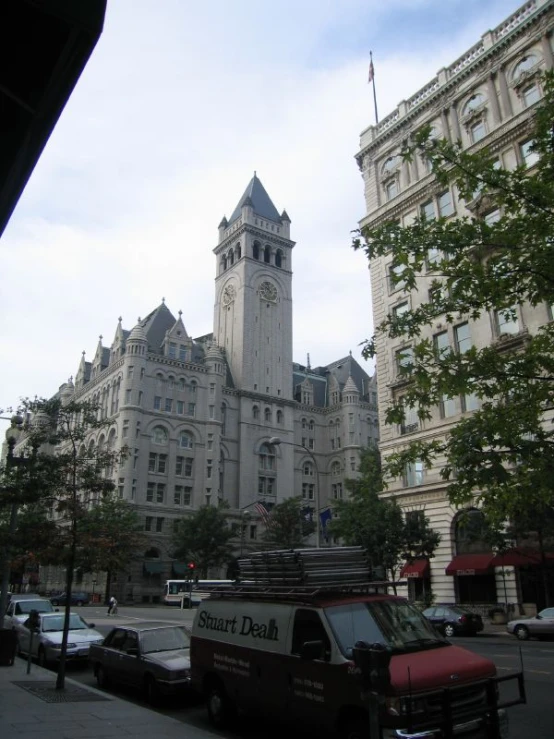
277, 441
245, 518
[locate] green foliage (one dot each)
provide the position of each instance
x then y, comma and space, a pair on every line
367, 519
203, 538
288, 527
502, 455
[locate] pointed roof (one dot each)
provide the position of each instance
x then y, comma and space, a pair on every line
156, 324
259, 200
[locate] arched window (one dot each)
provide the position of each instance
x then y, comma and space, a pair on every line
223, 417
308, 469
256, 250
223, 263
230, 258
280, 417
267, 255
160, 435
182, 383
237, 251
390, 164
474, 102
170, 382
524, 65
335, 469
304, 423
193, 386
267, 457
267, 415
255, 412
278, 258
311, 425
186, 440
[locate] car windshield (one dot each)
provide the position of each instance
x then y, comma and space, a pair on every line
55, 623
393, 623
164, 639
26, 606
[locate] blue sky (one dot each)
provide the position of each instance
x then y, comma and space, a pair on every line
179, 104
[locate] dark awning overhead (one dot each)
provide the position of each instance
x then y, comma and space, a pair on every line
44, 47
471, 564
153, 568
417, 568
520, 557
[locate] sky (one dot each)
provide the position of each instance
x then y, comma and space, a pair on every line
180, 103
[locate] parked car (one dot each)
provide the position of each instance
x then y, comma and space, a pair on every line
454, 620
20, 606
77, 599
541, 625
47, 641
152, 656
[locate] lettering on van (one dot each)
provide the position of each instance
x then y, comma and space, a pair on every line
312, 690
245, 627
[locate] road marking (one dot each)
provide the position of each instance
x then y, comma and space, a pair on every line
539, 672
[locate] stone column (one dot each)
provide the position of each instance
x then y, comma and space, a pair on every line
495, 108
547, 51
504, 93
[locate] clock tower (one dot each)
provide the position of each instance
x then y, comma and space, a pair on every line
253, 295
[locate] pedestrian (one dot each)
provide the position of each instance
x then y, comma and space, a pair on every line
112, 607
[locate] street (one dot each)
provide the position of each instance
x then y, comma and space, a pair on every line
534, 720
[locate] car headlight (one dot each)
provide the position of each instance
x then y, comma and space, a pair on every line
399, 706
183, 674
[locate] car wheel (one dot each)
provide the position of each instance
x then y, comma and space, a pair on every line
55, 602
221, 709
79, 603
151, 690
522, 633
449, 630
102, 679
355, 728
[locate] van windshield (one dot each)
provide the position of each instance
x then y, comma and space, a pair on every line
393, 623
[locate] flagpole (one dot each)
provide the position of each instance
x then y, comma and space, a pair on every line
372, 80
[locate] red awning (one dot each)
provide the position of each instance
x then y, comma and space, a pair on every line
417, 568
471, 564
519, 557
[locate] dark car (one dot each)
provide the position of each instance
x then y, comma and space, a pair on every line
454, 620
152, 656
77, 599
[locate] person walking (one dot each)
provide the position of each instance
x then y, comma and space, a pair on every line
112, 607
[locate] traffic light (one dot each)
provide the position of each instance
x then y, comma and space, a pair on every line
190, 570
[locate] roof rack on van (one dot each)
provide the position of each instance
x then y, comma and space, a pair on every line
302, 593
327, 567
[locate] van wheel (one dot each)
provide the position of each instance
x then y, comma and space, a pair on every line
356, 728
80, 603
449, 630
221, 709
522, 632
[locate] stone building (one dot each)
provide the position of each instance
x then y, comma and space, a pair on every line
198, 413
484, 98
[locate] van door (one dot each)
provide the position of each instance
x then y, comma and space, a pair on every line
309, 670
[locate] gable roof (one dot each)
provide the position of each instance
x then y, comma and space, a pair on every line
259, 200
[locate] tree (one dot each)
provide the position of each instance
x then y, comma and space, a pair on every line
71, 477
289, 525
376, 523
110, 535
203, 538
500, 457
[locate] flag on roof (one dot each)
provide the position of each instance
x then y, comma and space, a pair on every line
371, 74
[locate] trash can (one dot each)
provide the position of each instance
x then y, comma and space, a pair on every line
8, 647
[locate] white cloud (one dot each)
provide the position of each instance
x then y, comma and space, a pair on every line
178, 105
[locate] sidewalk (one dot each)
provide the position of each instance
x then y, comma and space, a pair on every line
77, 712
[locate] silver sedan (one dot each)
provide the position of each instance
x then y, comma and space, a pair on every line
541, 625
47, 639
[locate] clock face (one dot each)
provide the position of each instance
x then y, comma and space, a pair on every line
228, 294
268, 292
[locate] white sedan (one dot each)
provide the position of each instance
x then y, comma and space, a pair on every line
47, 640
541, 625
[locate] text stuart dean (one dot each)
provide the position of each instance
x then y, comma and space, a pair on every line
247, 627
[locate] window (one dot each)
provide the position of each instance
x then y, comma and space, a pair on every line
442, 344
404, 360
253, 531
524, 65
474, 102
159, 525
336, 489
308, 489
168, 405
130, 371
433, 256
155, 492
411, 419
182, 352
400, 309
192, 387
265, 486
391, 189
446, 208
148, 523
528, 156
180, 407
530, 94
128, 396
172, 353
191, 409
447, 406
185, 440
437, 295
267, 457
267, 415
395, 277
462, 337
255, 412
492, 217
157, 462
279, 418
308, 469
121, 486
160, 435
335, 469
470, 403
507, 321
427, 210
125, 431
413, 473
477, 131
210, 442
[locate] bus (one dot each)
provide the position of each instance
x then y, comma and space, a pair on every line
176, 590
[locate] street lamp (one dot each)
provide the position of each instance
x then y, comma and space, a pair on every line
276, 441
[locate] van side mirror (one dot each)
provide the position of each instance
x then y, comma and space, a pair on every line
312, 650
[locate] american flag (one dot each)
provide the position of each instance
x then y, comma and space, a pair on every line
371, 75
264, 513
